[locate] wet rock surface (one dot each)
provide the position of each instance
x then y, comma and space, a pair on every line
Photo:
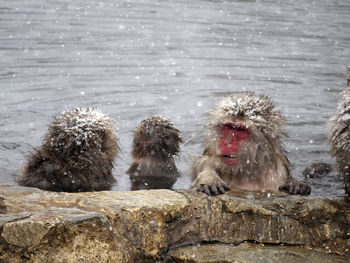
248, 252
170, 226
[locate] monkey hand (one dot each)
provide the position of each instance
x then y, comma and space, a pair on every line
296, 187
317, 170
210, 183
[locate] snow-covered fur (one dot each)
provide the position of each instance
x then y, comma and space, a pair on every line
77, 154
263, 161
339, 134
156, 142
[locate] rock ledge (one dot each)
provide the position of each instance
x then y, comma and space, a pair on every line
170, 226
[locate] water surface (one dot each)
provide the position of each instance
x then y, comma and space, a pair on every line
136, 58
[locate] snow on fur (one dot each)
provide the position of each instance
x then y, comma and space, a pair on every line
81, 125
254, 109
77, 154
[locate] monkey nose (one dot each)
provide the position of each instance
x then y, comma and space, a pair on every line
228, 139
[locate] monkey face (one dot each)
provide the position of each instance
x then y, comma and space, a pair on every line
231, 138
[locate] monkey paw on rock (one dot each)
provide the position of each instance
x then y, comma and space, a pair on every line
213, 189
296, 187
210, 184
317, 170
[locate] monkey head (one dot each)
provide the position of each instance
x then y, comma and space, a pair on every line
245, 131
80, 132
156, 136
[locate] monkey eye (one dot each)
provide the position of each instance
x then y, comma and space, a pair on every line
235, 127
239, 130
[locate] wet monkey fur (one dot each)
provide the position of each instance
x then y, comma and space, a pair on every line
156, 142
243, 148
339, 134
77, 154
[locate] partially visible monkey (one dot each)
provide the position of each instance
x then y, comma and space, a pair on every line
243, 148
77, 154
317, 170
339, 134
156, 142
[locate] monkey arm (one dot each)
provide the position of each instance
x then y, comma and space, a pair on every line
295, 187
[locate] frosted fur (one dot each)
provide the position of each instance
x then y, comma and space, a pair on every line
339, 134
77, 154
263, 162
80, 125
254, 111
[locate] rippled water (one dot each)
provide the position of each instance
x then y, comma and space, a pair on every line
172, 58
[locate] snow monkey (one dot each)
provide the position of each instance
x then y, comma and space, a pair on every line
243, 148
339, 134
155, 143
77, 154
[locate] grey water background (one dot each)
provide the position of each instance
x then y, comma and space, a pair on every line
138, 58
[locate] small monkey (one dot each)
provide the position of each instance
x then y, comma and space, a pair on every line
339, 134
77, 154
156, 142
243, 148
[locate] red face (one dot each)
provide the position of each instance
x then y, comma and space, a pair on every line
229, 145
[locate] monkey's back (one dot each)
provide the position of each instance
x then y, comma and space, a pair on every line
77, 154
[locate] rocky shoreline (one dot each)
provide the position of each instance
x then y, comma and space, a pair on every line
170, 226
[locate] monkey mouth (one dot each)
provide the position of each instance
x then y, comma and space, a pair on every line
230, 156
229, 159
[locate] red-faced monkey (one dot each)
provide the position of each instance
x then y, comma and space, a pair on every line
156, 142
243, 148
77, 154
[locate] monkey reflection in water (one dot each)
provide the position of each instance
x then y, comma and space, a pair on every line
244, 150
156, 142
77, 154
